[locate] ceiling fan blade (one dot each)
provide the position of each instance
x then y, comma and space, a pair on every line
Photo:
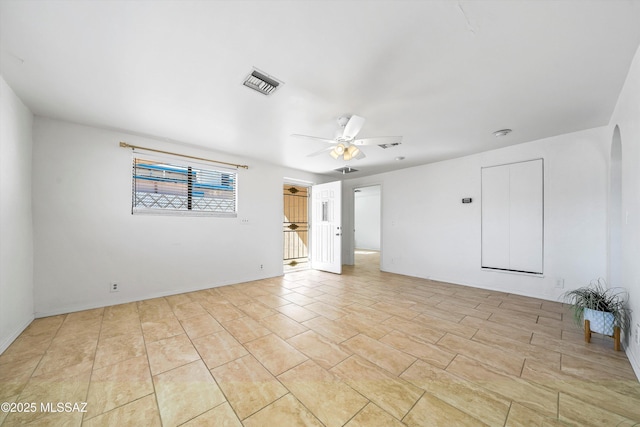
317, 153
360, 155
315, 138
378, 140
353, 126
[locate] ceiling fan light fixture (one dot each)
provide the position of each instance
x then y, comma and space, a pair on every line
353, 151
346, 151
345, 145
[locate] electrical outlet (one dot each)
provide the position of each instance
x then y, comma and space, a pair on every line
559, 283
261, 266
114, 287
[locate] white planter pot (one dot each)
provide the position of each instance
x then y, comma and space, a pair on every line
601, 322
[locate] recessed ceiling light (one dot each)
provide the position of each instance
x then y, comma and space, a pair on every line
502, 132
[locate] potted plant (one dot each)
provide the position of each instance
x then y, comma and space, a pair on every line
600, 309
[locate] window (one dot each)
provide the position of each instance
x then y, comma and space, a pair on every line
161, 186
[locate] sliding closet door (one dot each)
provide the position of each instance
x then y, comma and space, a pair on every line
512, 217
525, 216
495, 217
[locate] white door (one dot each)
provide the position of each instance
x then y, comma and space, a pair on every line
326, 227
513, 216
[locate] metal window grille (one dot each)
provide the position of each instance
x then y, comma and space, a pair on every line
184, 188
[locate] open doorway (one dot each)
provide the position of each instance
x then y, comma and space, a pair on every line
312, 227
615, 211
367, 226
295, 226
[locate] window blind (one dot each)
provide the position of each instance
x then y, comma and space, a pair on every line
171, 186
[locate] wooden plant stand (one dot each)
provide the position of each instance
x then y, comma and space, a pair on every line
616, 335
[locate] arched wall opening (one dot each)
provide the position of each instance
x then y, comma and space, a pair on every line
615, 210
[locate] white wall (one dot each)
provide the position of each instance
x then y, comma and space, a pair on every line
16, 226
85, 236
627, 117
367, 218
428, 232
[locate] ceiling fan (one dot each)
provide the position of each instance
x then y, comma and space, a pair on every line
346, 146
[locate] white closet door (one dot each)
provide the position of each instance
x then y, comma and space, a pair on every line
512, 217
525, 213
495, 217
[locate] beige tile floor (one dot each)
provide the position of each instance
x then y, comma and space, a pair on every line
362, 349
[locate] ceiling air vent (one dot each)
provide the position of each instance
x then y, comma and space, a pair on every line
385, 146
261, 82
345, 170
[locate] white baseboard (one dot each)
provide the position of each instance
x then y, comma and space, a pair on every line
635, 363
495, 289
124, 300
6, 342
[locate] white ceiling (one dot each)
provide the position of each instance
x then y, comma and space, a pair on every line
443, 74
